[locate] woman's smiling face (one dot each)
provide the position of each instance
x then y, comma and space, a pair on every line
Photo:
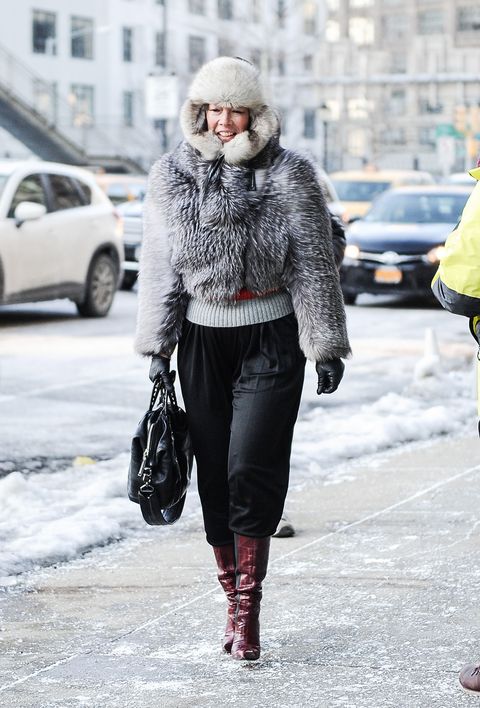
226, 123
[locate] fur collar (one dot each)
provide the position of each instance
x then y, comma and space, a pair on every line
263, 126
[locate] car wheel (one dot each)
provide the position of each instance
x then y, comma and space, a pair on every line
349, 298
129, 280
101, 287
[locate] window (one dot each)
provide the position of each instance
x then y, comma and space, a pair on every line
332, 31
427, 136
45, 99
128, 99
357, 142
81, 99
394, 26
160, 2
309, 17
44, 33
127, 44
398, 103
81, 37
394, 136
225, 48
65, 194
468, 19
160, 50
308, 63
85, 190
398, 62
256, 11
359, 108
309, 123
196, 7
196, 52
30, 189
361, 30
281, 65
225, 9
430, 22
361, 3
281, 13
309, 26
425, 106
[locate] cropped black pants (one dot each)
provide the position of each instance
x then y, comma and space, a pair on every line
242, 388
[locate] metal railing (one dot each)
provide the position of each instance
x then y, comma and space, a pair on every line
57, 113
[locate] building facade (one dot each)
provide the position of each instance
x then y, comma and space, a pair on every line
390, 82
401, 80
111, 74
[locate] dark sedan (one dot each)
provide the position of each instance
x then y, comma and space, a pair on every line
395, 249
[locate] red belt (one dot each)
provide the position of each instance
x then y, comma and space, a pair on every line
245, 294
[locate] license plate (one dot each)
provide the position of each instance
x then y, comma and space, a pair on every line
388, 275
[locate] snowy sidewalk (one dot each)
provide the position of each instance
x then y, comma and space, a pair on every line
375, 603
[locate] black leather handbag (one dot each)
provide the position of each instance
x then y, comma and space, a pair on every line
161, 459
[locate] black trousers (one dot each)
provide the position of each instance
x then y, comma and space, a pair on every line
242, 388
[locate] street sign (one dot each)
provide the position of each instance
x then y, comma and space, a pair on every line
447, 130
161, 97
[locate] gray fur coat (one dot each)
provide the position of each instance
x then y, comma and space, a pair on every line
212, 241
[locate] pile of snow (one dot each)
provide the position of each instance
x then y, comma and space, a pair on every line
51, 517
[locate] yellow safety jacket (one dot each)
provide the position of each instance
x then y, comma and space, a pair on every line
456, 284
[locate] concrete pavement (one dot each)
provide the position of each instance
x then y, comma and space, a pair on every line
374, 603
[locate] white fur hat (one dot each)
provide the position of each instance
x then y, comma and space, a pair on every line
232, 82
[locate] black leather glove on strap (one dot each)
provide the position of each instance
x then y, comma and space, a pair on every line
330, 373
160, 369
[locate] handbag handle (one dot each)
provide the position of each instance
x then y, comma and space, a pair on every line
160, 392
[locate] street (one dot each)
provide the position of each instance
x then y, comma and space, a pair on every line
394, 532
74, 387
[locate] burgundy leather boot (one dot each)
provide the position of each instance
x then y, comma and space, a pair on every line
252, 561
225, 557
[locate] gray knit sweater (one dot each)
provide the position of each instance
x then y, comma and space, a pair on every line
209, 242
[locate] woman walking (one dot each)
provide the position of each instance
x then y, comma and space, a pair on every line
238, 269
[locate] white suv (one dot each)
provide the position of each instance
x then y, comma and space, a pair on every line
60, 237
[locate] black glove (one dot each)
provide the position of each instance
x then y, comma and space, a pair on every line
330, 373
160, 369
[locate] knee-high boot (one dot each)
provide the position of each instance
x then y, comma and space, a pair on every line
252, 562
225, 557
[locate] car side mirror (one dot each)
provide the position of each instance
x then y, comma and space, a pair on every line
28, 211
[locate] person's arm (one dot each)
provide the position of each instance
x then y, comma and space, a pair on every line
456, 284
161, 295
338, 238
311, 274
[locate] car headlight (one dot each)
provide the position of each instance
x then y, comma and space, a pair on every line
436, 254
352, 252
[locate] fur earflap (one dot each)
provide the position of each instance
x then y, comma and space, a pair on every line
235, 83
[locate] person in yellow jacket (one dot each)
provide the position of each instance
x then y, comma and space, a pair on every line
456, 286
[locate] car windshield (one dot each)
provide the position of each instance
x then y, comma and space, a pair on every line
418, 208
361, 191
118, 193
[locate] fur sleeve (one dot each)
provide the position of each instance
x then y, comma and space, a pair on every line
311, 274
161, 295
